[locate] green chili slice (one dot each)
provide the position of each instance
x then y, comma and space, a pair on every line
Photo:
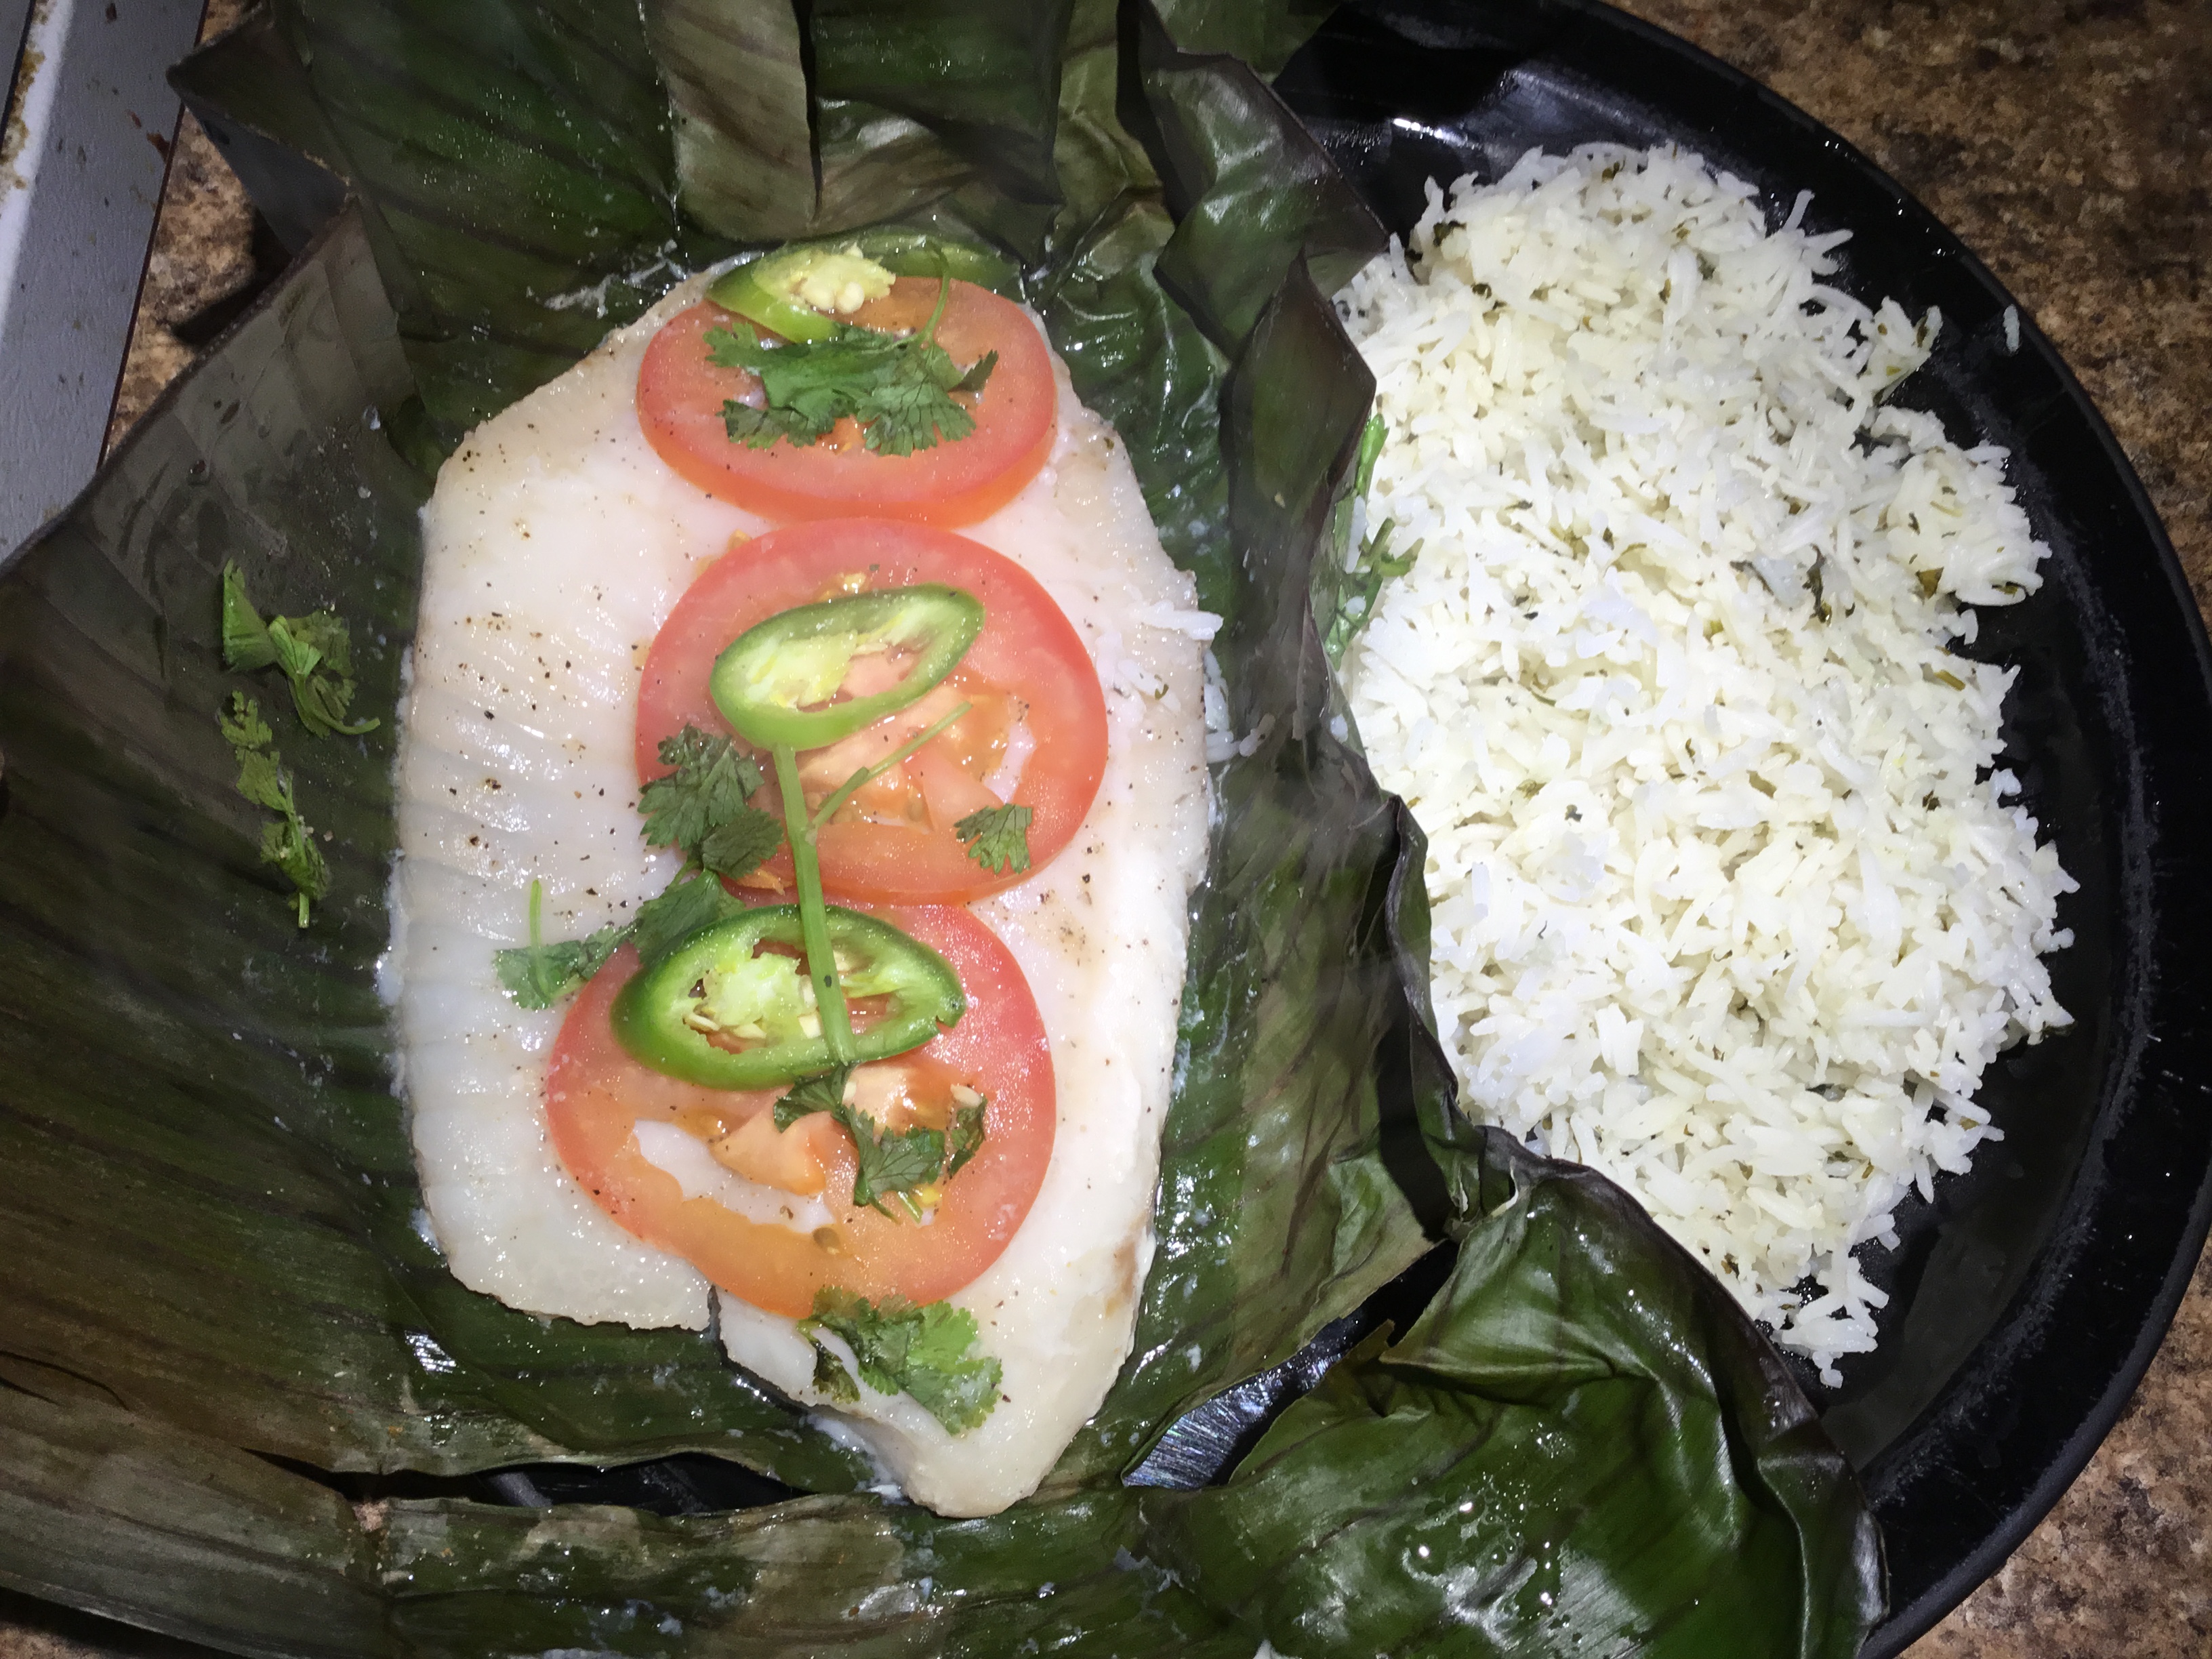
799, 292
720, 1011
779, 684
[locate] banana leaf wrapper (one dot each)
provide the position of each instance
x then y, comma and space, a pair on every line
213, 1282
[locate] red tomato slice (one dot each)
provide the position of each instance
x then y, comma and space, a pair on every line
890, 847
680, 396
596, 1095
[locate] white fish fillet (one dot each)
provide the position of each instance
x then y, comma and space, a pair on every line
555, 546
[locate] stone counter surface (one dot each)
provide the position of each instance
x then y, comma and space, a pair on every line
2067, 144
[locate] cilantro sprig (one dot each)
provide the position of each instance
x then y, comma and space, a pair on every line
287, 841
700, 809
315, 652
538, 975
899, 388
998, 837
932, 1353
803, 833
887, 1164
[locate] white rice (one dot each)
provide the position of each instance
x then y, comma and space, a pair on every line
1727, 901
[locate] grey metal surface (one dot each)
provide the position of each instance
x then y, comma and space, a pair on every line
82, 165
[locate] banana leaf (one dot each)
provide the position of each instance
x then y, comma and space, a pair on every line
212, 1208
1569, 1451
213, 1288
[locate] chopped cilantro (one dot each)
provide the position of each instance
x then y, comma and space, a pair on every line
887, 1163
742, 845
965, 1139
704, 795
314, 652
998, 837
898, 388
682, 907
537, 975
823, 1092
933, 1353
831, 1378
287, 842
891, 1163
700, 810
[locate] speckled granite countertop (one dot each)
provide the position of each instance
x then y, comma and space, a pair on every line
2066, 142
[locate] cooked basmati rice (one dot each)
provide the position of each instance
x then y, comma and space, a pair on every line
1727, 900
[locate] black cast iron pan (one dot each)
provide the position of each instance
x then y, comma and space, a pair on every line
2028, 1297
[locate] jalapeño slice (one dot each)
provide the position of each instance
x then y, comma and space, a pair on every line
722, 1012
774, 685
801, 292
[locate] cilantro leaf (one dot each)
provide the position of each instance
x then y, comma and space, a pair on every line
299, 650
314, 652
956, 1389
244, 727
887, 1163
823, 1092
699, 808
898, 388
914, 412
1362, 586
794, 409
965, 1139
933, 1353
998, 837
830, 1377
538, 975
289, 844
288, 841
706, 793
687, 905
1373, 564
890, 1162
741, 845
979, 374
246, 646
262, 781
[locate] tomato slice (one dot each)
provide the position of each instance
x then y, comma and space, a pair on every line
680, 396
1034, 698
597, 1096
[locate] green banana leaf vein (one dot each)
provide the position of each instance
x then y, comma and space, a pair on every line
232, 1371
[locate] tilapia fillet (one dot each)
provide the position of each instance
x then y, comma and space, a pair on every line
555, 546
